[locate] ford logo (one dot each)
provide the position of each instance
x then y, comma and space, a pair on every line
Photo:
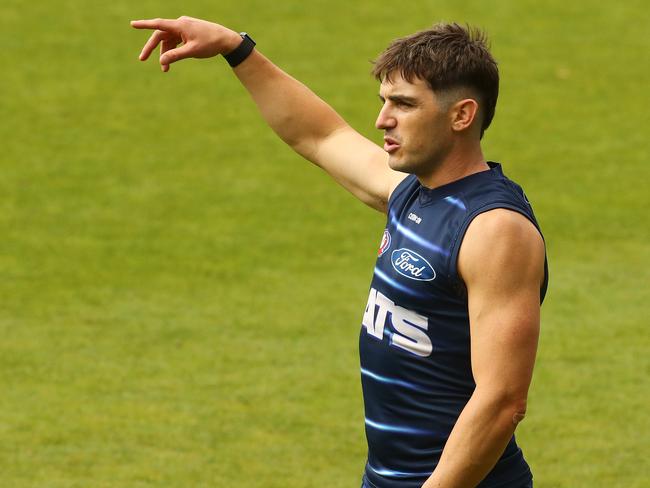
410, 264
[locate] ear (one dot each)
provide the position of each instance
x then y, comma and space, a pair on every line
463, 114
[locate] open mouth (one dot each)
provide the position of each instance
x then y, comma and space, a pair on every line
390, 145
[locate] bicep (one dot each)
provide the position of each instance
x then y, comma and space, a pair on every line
502, 263
358, 164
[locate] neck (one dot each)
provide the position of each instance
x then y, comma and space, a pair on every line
460, 162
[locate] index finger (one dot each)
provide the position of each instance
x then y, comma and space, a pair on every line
162, 24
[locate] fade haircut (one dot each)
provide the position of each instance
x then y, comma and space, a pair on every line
448, 57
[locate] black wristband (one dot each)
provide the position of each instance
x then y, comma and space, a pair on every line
241, 52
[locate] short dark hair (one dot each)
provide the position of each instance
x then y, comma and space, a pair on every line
447, 56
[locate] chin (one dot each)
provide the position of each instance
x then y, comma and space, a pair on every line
395, 162
398, 164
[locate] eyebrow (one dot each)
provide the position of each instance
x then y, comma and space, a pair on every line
399, 99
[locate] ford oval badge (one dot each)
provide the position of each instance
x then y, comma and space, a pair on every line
410, 264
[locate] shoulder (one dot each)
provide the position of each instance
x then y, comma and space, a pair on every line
503, 224
501, 244
495, 189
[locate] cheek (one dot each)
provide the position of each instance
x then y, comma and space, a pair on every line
435, 133
423, 137
414, 131
425, 133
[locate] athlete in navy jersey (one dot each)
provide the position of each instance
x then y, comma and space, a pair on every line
451, 325
415, 340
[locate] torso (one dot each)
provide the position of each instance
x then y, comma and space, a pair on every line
414, 341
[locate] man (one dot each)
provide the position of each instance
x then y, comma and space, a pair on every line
450, 330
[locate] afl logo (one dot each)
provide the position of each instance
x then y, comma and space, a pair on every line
410, 264
385, 243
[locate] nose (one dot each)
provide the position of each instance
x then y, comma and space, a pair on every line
385, 120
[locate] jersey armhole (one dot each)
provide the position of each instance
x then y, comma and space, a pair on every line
399, 189
460, 234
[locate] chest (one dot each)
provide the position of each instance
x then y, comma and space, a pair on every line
414, 254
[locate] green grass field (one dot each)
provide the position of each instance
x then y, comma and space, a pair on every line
181, 295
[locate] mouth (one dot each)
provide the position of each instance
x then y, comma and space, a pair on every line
390, 145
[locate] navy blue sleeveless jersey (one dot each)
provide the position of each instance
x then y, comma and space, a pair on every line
415, 340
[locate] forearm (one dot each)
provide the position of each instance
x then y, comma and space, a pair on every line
301, 119
293, 111
476, 442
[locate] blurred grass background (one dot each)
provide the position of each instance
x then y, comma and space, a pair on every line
181, 295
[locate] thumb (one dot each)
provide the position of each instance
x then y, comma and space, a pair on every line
173, 55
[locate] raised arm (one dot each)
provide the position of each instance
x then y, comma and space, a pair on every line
299, 117
503, 282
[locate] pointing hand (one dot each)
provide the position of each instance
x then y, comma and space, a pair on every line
197, 38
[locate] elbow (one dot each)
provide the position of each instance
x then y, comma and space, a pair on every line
514, 408
509, 406
518, 412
